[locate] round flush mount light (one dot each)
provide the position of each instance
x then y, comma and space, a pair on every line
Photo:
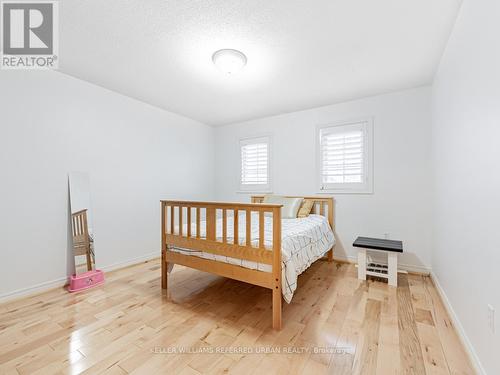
229, 61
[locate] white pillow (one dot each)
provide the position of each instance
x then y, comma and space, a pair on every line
290, 205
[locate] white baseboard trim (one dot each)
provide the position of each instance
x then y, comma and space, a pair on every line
131, 262
35, 289
407, 267
458, 326
62, 281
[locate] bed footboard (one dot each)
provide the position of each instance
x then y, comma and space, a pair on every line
194, 225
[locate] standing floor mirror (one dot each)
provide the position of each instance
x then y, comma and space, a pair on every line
82, 234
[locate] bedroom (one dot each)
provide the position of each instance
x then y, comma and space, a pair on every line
160, 104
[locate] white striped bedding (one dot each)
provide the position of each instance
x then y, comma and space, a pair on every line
304, 241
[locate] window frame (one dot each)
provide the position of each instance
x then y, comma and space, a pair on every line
256, 188
365, 187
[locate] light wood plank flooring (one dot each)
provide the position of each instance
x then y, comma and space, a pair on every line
334, 325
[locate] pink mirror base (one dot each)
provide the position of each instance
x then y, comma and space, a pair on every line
85, 280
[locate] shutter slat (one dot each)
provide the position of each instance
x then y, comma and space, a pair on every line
342, 156
254, 162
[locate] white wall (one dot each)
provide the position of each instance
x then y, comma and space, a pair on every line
400, 204
466, 155
135, 154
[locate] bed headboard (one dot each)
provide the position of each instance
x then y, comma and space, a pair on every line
323, 206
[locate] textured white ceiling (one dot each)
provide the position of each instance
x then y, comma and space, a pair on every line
301, 54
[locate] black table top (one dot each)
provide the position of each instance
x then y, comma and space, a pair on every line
379, 244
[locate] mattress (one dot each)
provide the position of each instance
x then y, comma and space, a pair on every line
303, 241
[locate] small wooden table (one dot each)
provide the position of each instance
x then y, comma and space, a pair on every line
390, 247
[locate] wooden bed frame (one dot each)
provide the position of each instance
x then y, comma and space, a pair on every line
176, 217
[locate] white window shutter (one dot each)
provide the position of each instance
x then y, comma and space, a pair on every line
255, 155
345, 157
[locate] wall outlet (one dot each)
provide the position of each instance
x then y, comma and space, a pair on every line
491, 318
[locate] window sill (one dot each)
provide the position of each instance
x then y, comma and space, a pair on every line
340, 191
254, 192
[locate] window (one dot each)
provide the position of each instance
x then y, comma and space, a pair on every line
255, 170
345, 157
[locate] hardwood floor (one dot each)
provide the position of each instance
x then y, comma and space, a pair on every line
334, 325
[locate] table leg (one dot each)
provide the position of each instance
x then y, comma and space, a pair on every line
361, 264
392, 260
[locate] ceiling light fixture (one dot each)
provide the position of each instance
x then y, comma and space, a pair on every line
229, 61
